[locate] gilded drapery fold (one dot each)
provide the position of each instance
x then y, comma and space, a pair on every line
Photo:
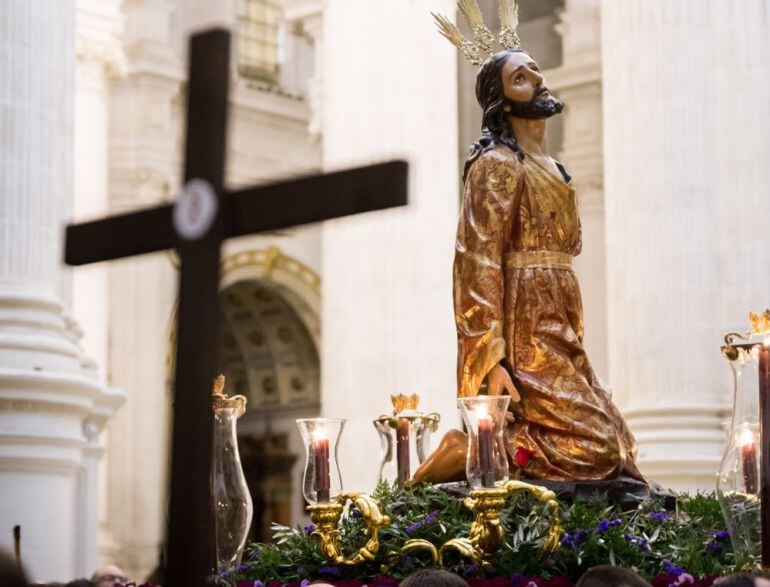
478, 270
517, 300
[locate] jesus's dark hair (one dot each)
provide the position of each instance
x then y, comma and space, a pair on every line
495, 129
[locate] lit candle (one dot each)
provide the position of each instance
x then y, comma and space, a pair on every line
321, 461
486, 428
749, 452
764, 451
402, 451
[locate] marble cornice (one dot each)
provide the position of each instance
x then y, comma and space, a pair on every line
302, 9
571, 76
104, 53
270, 104
49, 387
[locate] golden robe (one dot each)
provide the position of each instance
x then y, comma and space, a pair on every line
517, 302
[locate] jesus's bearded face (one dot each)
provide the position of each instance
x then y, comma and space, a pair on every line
527, 95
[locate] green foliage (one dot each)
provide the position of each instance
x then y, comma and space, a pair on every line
645, 538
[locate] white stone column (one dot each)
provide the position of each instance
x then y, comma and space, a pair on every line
98, 32
578, 82
742, 143
99, 58
48, 392
309, 15
662, 257
388, 327
145, 120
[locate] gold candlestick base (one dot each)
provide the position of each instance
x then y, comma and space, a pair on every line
486, 535
326, 517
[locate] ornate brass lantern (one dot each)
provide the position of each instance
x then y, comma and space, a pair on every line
232, 501
738, 481
322, 487
404, 438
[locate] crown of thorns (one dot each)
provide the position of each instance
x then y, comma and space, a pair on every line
483, 43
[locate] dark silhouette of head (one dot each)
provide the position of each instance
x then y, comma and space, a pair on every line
497, 107
609, 576
11, 574
433, 578
737, 580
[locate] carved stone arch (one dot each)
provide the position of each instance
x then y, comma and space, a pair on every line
269, 304
295, 281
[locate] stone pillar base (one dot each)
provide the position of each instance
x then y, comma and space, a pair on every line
680, 447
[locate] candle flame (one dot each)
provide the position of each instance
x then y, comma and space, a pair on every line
482, 413
746, 438
319, 433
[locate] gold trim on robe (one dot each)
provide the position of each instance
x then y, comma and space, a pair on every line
517, 302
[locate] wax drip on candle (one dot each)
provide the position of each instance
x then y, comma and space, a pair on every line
749, 460
486, 433
321, 461
763, 361
402, 451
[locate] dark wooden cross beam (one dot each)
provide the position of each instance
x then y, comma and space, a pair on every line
204, 215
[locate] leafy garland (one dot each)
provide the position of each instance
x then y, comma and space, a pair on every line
688, 545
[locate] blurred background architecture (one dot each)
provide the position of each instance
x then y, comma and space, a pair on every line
661, 133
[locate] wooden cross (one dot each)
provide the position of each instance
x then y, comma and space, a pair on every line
204, 215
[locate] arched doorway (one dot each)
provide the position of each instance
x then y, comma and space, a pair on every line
268, 352
269, 306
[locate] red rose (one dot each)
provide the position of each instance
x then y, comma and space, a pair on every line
523, 456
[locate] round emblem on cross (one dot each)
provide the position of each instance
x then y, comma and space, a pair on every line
195, 210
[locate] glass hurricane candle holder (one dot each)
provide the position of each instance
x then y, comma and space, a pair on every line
321, 482
404, 438
232, 501
738, 480
486, 464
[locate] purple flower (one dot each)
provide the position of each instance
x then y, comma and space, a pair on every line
575, 538
641, 543
606, 524
258, 583
309, 529
329, 571
715, 544
516, 578
659, 516
304, 583
245, 567
470, 569
407, 563
254, 554
420, 523
714, 547
672, 569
